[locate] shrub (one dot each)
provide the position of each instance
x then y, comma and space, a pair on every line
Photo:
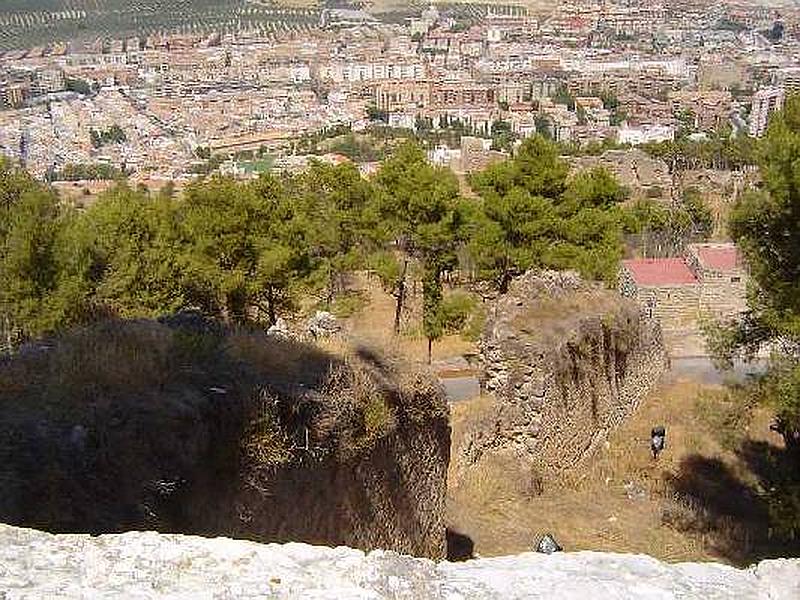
347, 304
456, 311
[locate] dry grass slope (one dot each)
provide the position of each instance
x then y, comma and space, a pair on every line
699, 501
190, 426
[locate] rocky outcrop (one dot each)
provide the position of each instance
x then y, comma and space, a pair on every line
719, 190
567, 361
643, 175
151, 565
187, 426
322, 325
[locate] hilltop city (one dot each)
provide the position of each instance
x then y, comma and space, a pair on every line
170, 106
453, 281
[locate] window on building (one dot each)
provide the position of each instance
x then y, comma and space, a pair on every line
651, 307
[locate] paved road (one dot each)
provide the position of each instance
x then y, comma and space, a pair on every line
699, 369
460, 388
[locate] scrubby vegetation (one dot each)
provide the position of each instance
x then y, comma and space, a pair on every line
137, 424
714, 494
665, 229
86, 172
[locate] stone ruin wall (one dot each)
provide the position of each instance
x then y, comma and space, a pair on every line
722, 294
676, 307
558, 396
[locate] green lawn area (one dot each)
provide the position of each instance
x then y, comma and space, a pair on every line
261, 165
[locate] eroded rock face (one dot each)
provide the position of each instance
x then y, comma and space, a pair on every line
189, 427
567, 361
150, 565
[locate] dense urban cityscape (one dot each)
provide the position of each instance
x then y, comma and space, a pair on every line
400, 299
587, 72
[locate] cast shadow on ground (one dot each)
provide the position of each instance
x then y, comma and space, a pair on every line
747, 516
459, 546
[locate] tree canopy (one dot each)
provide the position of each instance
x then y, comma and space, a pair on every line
534, 215
248, 251
425, 216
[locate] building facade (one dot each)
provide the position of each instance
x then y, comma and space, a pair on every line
707, 283
765, 102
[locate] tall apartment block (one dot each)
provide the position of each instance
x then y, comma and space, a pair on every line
765, 102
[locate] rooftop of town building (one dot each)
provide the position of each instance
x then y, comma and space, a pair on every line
717, 257
659, 271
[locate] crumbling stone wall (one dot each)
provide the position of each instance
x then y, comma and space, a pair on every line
643, 175
677, 308
567, 362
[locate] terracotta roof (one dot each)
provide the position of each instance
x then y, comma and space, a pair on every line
719, 257
659, 271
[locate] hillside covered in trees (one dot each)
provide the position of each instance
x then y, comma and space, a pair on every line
251, 251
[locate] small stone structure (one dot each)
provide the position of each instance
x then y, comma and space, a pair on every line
708, 282
567, 361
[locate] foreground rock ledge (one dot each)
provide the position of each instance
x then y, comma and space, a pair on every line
34, 564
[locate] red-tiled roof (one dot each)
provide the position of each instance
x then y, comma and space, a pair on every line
659, 271
719, 258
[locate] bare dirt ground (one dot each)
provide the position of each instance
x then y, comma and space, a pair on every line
701, 500
375, 322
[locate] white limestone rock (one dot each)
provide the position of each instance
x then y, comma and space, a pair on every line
280, 329
322, 325
144, 565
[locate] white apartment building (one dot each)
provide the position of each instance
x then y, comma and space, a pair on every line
765, 102
356, 72
644, 134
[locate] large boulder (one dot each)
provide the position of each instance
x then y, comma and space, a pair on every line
322, 325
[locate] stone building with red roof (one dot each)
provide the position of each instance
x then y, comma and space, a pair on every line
709, 281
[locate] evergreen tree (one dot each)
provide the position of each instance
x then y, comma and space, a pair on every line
335, 206
534, 216
122, 256
28, 266
422, 211
247, 252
